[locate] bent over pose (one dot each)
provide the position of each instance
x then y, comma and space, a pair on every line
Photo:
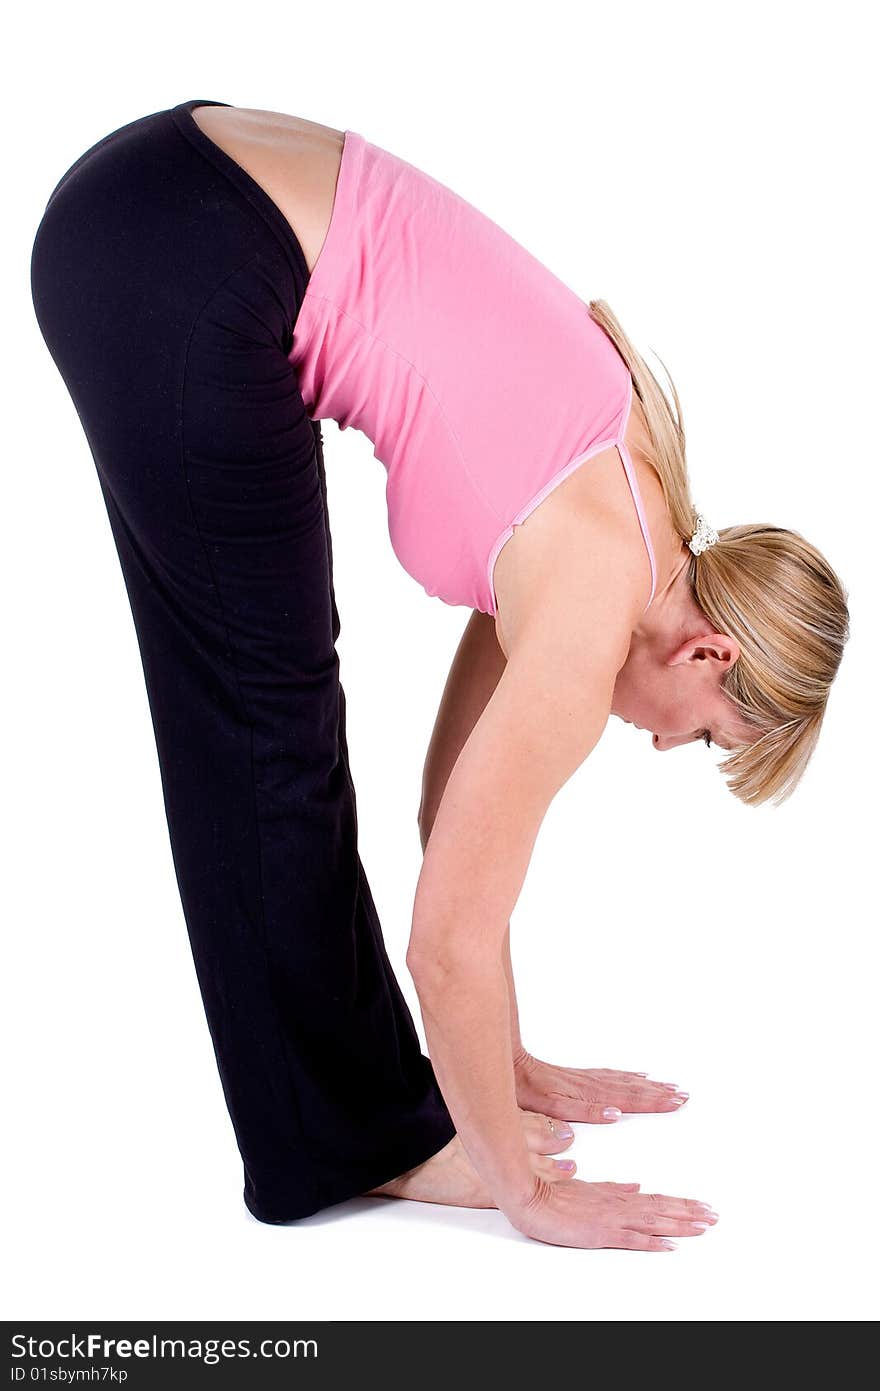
211, 283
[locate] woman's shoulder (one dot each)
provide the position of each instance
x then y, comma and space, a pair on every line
586, 535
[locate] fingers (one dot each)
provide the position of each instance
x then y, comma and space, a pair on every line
612, 1214
658, 1225
621, 1101
629, 1240
598, 1114
634, 1094
679, 1207
649, 1231
599, 1096
640, 1097
657, 1215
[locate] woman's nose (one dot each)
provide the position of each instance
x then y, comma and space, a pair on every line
662, 742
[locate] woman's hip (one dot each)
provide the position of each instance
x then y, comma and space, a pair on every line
136, 239
167, 302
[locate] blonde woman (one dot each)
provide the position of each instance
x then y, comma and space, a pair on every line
212, 282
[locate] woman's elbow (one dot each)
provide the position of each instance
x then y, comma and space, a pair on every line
442, 962
428, 964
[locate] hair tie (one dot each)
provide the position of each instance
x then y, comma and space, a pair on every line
703, 537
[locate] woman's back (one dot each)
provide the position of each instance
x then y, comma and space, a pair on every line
295, 161
480, 378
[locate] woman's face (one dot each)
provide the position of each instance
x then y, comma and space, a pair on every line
678, 698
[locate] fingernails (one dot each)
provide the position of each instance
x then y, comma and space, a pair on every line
700, 1226
670, 1086
611, 1113
668, 1246
563, 1132
680, 1098
640, 1074
566, 1164
706, 1211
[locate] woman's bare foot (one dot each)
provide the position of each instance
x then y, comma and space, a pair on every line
545, 1134
450, 1177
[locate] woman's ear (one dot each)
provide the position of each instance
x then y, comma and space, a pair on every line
719, 647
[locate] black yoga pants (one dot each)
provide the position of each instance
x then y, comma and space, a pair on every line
166, 284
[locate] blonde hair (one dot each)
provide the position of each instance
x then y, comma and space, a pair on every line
764, 586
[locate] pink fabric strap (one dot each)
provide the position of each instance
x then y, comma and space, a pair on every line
629, 468
618, 442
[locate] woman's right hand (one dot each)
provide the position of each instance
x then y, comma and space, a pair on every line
606, 1214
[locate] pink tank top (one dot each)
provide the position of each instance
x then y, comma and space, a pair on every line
480, 379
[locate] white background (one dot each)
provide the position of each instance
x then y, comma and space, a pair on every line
709, 171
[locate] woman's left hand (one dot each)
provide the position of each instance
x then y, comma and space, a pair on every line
599, 1096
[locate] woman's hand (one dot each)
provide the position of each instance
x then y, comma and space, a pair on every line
598, 1095
607, 1214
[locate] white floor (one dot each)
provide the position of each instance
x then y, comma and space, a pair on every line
122, 1246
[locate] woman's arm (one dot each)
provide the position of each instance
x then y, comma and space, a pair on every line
475, 672
598, 1096
545, 715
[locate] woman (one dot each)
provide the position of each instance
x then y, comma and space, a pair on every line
211, 283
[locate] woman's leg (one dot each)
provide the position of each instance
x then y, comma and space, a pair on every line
168, 307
